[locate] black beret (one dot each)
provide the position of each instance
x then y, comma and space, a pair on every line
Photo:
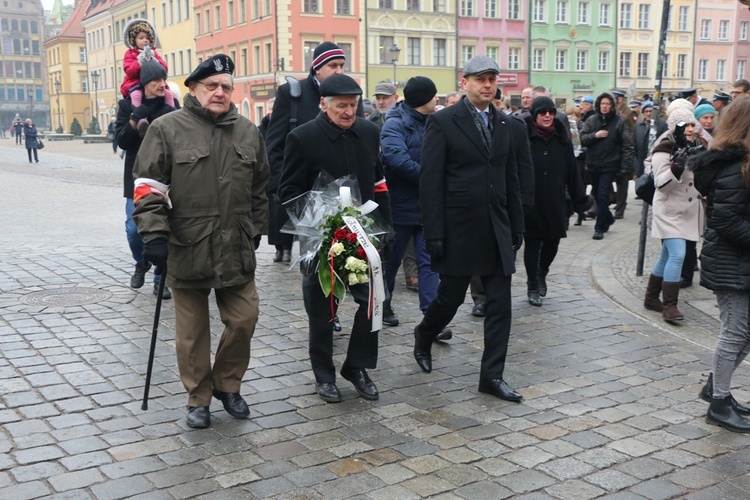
339, 85
215, 65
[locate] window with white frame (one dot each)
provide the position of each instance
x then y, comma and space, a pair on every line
492, 53
670, 17
540, 9
644, 14
626, 15
603, 65
438, 52
467, 52
413, 51
604, 10
582, 60
230, 13
438, 5
467, 8
625, 64
490, 8
665, 66
207, 20
721, 69
681, 65
724, 30
343, 7
642, 64
537, 59
561, 15
561, 59
386, 42
412, 4
217, 17
705, 29
741, 69
514, 9
743, 30
188, 8
514, 58
703, 69
243, 11
583, 13
308, 6
682, 18
347, 48
309, 52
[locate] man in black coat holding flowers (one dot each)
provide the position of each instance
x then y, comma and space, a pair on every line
473, 218
340, 143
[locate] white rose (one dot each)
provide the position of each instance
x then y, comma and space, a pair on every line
337, 248
363, 278
353, 280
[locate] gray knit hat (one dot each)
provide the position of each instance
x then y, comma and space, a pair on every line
152, 70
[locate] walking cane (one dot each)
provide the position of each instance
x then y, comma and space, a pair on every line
144, 405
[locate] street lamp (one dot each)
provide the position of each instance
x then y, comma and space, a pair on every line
395, 51
30, 93
57, 90
95, 81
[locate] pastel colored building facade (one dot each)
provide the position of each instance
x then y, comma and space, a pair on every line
407, 38
173, 21
269, 40
498, 29
573, 46
721, 45
22, 75
67, 72
639, 26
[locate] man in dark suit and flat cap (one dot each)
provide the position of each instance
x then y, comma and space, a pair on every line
473, 218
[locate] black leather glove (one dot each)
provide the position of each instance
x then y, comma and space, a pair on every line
256, 241
156, 251
139, 113
679, 160
517, 241
436, 248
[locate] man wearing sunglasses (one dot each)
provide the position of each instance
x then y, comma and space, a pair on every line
201, 207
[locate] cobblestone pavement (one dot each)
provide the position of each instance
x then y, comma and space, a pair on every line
610, 406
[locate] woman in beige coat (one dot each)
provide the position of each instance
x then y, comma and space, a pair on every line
677, 211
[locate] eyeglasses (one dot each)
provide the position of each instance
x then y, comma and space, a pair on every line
212, 86
552, 112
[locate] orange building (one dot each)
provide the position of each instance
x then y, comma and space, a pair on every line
269, 40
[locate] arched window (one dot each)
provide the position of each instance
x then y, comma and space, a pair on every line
24, 26
34, 28
14, 25
4, 25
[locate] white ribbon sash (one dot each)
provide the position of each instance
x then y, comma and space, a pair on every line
377, 288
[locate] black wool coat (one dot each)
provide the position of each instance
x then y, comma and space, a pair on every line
640, 142
469, 196
320, 145
725, 255
129, 140
555, 172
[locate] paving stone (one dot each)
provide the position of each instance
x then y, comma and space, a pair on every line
525, 481
644, 468
34, 489
658, 489
40, 454
483, 490
574, 490
36, 472
566, 468
76, 480
122, 488
611, 480
695, 477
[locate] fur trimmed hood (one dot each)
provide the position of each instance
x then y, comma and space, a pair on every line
135, 26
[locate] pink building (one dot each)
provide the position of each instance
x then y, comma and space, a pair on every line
498, 29
722, 45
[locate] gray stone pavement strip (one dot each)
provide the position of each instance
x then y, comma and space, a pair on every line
610, 390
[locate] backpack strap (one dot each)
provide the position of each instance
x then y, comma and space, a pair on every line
295, 91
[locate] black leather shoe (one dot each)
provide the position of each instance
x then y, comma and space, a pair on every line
358, 376
685, 283
498, 387
139, 276
445, 334
166, 294
328, 392
534, 298
478, 310
198, 417
287, 257
278, 255
598, 235
708, 389
336, 324
389, 317
233, 403
422, 351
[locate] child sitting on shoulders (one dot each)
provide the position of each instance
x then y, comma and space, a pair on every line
139, 36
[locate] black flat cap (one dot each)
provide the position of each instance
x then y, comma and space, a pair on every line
220, 63
339, 85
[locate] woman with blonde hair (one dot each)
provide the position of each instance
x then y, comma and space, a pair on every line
722, 175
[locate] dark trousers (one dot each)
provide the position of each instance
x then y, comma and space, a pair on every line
428, 280
36, 155
451, 294
601, 183
621, 197
363, 344
538, 254
691, 258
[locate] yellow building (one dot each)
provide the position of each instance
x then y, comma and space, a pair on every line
638, 46
66, 73
425, 36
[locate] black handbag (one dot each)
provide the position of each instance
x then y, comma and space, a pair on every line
645, 188
39, 144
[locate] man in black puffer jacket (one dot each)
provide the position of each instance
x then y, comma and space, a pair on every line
609, 153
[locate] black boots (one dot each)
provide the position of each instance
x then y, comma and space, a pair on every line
532, 291
653, 290
707, 391
422, 350
389, 317
543, 282
722, 413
